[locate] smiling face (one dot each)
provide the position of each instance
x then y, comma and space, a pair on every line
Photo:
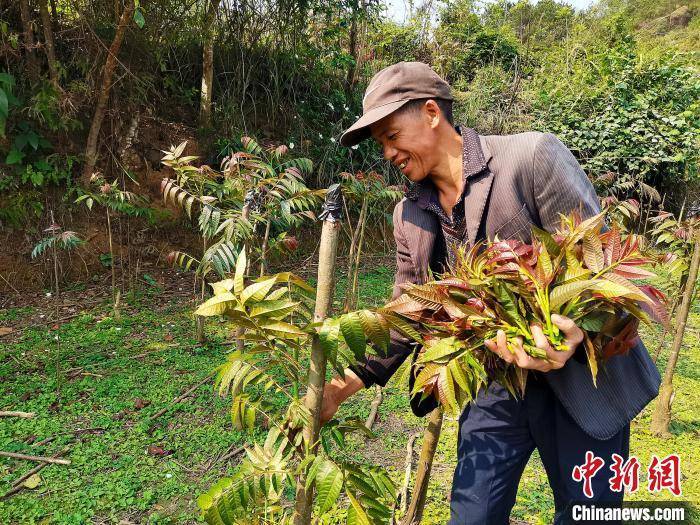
409, 139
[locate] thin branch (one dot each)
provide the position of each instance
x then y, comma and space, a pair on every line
27, 457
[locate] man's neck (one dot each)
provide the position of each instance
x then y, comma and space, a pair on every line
447, 175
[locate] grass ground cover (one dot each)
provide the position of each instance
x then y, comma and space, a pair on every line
126, 467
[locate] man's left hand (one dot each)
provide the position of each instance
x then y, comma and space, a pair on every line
573, 336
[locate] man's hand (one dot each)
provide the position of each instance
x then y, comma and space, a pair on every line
573, 336
337, 391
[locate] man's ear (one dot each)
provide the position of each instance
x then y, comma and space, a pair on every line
432, 113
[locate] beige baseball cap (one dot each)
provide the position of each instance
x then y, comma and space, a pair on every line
390, 89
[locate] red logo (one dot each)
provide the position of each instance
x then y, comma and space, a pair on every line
586, 471
665, 474
625, 474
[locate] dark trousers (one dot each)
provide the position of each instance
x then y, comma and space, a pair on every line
497, 435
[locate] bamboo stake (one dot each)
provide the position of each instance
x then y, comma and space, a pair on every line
317, 370
43, 459
425, 463
661, 418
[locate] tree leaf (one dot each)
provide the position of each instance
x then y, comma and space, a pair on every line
354, 335
216, 305
329, 483
328, 338
593, 252
282, 329
238, 278
377, 333
565, 292
222, 286
356, 514
273, 309
139, 19
257, 291
440, 349
32, 481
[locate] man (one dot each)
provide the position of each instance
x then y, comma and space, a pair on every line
466, 188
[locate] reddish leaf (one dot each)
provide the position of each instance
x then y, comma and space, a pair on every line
141, 403
623, 341
155, 450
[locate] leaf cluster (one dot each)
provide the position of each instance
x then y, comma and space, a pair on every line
274, 313
273, 185
580, 271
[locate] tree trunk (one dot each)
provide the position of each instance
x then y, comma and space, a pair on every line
350, 79
48, 39
245, 215
351, 257
425, 463
103, 97
661, 419
317, 369
263, 250
207, 66
32, 64
354, 290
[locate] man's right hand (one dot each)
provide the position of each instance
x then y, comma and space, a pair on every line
336, 391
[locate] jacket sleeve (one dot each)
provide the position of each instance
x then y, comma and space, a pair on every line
560, 185
375, 369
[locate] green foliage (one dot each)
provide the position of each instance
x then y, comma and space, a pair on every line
275, 315
674, 237
66, 240
273, 183
111, 196
7, 99
640, 121
465, 44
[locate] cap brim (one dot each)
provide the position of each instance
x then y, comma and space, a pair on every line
359, 131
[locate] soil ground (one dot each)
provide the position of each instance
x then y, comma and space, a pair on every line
95, 381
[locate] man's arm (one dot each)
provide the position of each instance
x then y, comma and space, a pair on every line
560, 185
378, 370
374, 369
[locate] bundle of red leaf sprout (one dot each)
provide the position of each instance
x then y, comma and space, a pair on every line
581, 272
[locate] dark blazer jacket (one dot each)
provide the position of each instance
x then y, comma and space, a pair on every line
513, 182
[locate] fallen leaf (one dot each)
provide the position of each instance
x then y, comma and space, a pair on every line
141, 403
168, 337
4, 330
155, 450
32, 481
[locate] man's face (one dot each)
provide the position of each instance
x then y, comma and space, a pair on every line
409, 140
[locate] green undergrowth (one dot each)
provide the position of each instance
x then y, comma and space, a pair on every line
99, 379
